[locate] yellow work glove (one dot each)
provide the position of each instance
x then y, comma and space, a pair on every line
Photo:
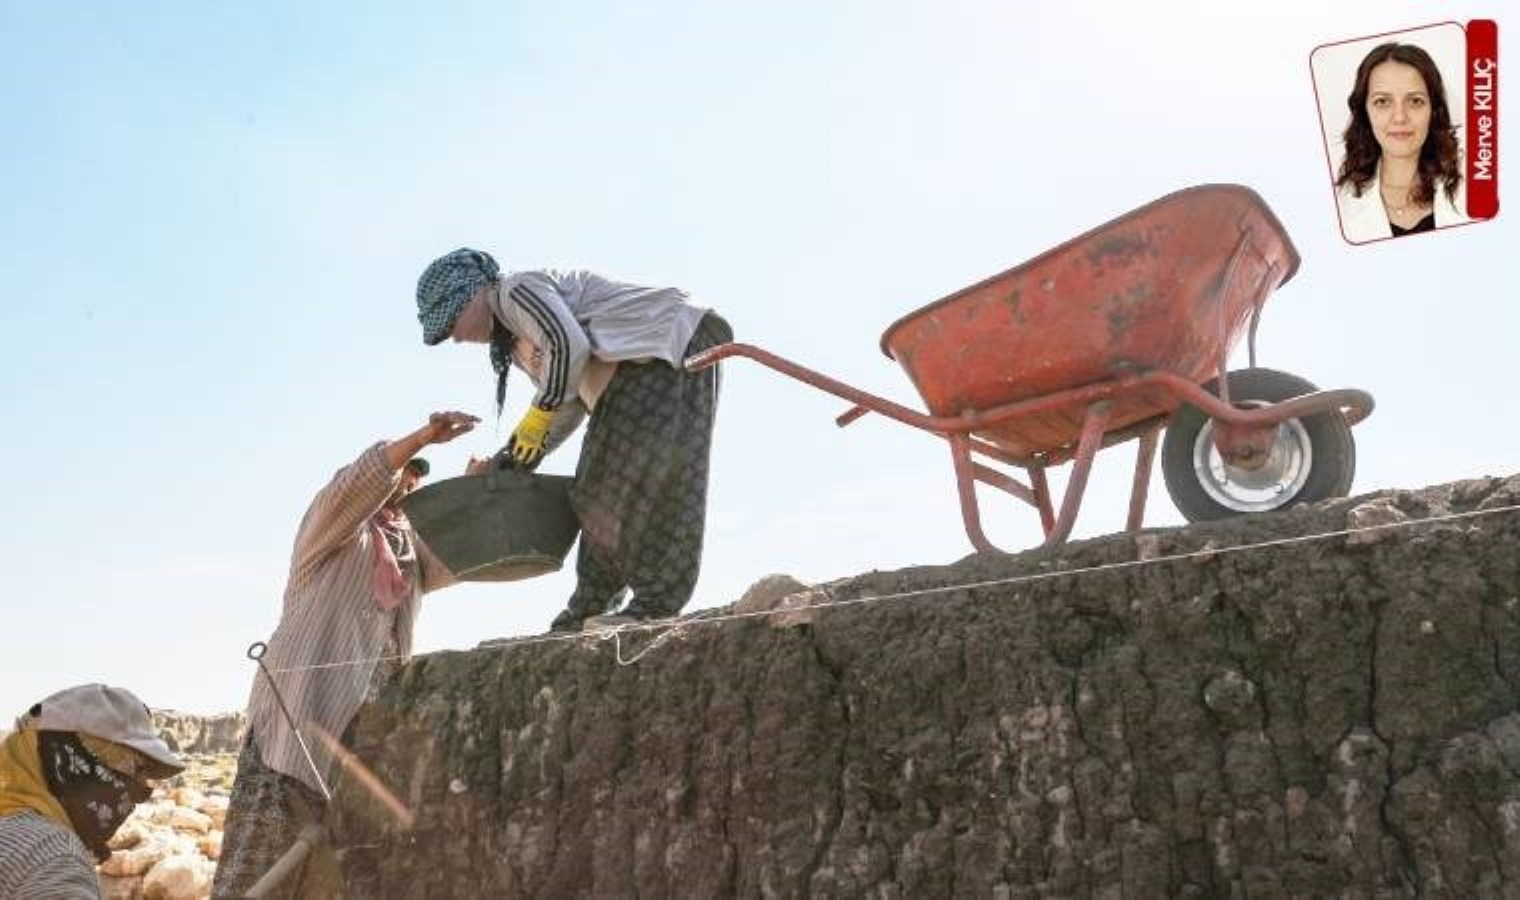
526, 446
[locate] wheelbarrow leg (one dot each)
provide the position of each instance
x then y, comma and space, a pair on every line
965, 482
1144, 458
1041, 485
1087, 447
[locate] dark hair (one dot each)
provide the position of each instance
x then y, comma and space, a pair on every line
501, 359
1439, 155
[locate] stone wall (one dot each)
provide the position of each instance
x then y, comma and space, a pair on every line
1142, 716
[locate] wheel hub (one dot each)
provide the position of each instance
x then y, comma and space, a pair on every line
1267, 478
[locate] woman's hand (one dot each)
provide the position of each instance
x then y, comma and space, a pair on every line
478, 466
443, 427
526, 446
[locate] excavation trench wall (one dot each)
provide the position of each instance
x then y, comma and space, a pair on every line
1315, 717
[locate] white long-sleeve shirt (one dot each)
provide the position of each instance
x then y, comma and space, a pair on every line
575, 315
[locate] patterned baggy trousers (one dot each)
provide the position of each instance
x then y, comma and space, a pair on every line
265, 815
640, 486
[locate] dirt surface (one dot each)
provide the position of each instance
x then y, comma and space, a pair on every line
1141, 716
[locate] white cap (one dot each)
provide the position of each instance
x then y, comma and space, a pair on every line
109, 713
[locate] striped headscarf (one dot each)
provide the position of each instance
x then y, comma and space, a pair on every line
446, 285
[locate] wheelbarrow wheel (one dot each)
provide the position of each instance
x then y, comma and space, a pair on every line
1312, 458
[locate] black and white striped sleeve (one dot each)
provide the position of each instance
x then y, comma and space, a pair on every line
533, 309
39, 860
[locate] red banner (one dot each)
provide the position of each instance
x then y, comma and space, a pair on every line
1482, 118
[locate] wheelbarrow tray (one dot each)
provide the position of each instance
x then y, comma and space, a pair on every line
1169, 286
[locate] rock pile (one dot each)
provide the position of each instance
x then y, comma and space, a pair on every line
168, 848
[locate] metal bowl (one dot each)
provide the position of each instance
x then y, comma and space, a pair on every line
501, 526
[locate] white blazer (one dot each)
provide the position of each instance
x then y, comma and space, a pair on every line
1364, 219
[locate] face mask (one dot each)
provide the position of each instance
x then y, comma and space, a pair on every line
97, 798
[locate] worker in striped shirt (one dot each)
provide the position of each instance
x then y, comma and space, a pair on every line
357, 575
592, 344
76, 766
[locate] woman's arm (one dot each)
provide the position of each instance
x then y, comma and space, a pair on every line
358, 490
532, 308
353, 494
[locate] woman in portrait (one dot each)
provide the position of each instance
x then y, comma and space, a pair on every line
1402, 173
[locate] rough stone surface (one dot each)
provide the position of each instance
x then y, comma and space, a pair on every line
186, 733
780, 601
1331, 717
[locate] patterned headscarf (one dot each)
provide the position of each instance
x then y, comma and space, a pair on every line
96, 797
22, 785
446, 285
83, 783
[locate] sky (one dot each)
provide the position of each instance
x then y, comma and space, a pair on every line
214, 217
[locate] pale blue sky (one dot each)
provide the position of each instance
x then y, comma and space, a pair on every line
214, 216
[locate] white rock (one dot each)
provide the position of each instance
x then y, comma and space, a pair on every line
215, 806
135, 861
210, 845
130, 834
767, 593
1204, 554
179, 878
1377, 515
775, 593
799, 604
178, 844
182, 819
187, 797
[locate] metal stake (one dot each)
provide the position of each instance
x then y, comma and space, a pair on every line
256, 653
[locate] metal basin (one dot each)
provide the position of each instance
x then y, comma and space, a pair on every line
500, 526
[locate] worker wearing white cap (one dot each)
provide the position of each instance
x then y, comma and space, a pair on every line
76, 766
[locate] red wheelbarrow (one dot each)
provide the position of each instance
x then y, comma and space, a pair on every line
1116, 335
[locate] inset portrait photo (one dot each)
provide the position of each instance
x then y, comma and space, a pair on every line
1393, 111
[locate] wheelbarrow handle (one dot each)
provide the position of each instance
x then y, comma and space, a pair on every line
1352, 404
864, 401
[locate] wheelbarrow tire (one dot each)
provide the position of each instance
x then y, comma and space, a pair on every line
1331, 450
